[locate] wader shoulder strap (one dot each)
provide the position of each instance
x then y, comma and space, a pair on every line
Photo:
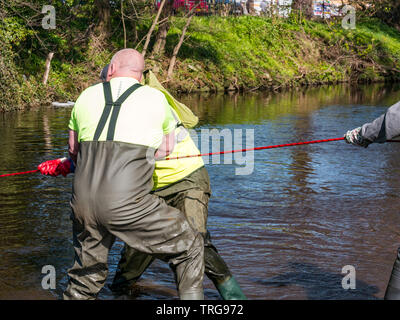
106, 111
116, 106
116, 109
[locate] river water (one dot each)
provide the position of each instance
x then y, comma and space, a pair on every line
286, 229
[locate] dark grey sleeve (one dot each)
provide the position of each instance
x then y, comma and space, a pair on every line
386, 127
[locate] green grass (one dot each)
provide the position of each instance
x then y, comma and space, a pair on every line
257, 51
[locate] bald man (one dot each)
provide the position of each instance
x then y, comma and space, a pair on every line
113, 144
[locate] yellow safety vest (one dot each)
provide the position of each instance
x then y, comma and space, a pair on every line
169, 171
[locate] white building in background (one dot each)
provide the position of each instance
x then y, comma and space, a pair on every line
328, 8
265, 6
322, 8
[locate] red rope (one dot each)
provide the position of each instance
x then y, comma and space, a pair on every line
14, 174
258, 148
224, 152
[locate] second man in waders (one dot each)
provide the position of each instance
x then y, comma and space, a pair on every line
184, 184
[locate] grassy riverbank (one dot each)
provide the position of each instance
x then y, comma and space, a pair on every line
232, 53
251, 52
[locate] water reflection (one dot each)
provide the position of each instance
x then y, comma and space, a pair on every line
256, 107
319, 283
303, 214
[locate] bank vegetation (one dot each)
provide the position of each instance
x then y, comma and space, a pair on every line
193, 48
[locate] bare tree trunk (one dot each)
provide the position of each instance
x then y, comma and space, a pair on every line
47, 67
103, 15
152, 28
134, 22
305, 7
250, 7
177, 47
123, 22
161, 37
159, 45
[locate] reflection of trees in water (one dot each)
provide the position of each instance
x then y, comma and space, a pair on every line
377, 94
300, 167
254, 107
47, 133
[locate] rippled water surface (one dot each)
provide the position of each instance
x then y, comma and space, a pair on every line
286, 230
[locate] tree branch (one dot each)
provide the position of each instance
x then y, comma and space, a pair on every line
148, 36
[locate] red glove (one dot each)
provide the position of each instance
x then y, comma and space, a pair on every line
56, 167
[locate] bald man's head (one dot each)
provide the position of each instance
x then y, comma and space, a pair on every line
126, 63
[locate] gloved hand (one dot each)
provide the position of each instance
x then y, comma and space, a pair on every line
56, 167
354, 137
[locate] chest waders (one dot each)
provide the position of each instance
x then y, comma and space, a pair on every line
111, 198
190, 195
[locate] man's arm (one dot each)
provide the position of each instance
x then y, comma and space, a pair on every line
167, 146
168, 126
73, 145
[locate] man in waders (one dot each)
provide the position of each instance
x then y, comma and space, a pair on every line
383, 128
113, 143
184, 184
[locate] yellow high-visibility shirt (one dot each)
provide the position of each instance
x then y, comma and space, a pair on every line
169, 171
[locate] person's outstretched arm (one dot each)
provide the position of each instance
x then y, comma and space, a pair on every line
383, 128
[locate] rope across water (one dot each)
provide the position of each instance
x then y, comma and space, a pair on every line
224, 152
257, 148
17, 173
